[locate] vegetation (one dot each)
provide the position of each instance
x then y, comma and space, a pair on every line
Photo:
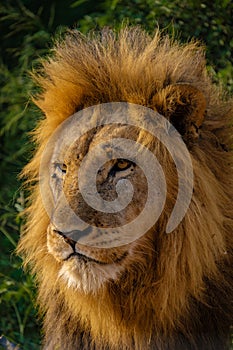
28, 28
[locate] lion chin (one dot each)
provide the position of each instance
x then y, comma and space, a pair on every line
87, 277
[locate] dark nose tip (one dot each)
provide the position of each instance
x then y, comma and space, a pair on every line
67, 239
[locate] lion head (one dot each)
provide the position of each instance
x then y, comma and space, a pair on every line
158, 291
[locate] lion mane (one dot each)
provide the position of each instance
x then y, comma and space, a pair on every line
176, 292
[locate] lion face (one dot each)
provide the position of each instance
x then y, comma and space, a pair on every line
88, 267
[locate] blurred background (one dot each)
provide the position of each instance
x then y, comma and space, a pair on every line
28, 29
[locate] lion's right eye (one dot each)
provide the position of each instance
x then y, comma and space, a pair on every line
61, 167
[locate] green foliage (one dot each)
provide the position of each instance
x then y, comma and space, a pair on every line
27, 28
17, 294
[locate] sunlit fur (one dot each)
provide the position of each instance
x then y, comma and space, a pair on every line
176, 290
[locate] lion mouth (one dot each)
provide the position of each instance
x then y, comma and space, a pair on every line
88, 259
66, 249
84, 258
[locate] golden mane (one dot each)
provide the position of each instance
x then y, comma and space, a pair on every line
186, 295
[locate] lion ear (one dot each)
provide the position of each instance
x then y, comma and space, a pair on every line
184, 106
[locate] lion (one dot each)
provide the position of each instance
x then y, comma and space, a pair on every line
163, 290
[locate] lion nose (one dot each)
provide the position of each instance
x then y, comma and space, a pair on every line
66, 238
70, 242
74, 235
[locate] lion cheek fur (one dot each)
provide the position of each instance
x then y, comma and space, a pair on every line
57, 247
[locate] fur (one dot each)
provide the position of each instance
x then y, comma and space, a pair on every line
175, 291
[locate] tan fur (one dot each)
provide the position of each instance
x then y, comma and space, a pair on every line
173, 291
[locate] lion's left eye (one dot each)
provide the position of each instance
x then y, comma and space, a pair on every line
122, 164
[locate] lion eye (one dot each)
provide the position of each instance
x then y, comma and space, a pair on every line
62, 167
122, 164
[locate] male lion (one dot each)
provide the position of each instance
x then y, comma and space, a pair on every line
163, 290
